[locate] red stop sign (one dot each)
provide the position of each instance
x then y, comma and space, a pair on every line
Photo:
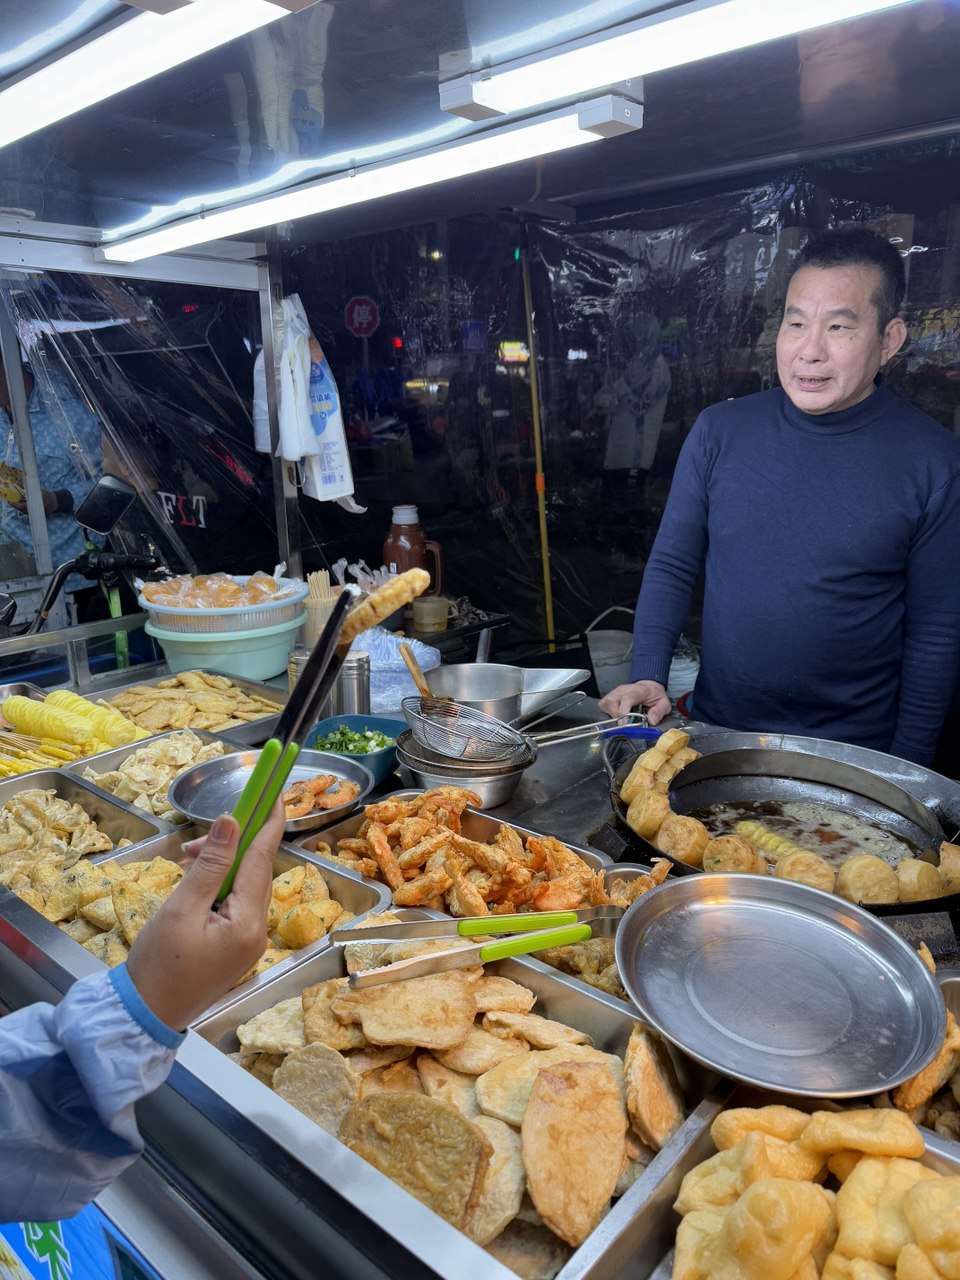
361, 315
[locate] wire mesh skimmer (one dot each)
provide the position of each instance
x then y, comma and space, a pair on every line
459, 732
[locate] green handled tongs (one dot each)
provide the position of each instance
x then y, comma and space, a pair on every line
529, 930
279, 754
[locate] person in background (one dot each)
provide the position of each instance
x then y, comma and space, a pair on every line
825, 516
67, 441
70, 1073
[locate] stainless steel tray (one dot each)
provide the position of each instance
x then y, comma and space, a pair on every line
653, 1259
23, 689
476, 825
108, 761
114, 817
277, 1135
252, 734
353, 892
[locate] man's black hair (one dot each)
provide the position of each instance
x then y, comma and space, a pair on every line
856, 246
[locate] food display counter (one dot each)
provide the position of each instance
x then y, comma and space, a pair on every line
238, 1182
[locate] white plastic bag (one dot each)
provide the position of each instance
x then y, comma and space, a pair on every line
390, 681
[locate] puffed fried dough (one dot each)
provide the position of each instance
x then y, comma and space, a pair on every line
503, 1184
646, 813
807, 868
870, 1208
683, 837
654, 1099
919, 1089
672, 741
918, 880
724, 1177
672, 766
912, 1264
838, 1267
873, 1130
785, 1123
383, 601
423, 1144
771, 1230
867, 878
733, 854
571, 1187
696, 1236
950, 867
932, 1209
638, 779
434, 1012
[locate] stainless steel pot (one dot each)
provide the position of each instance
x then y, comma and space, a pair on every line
489, 687
493, 784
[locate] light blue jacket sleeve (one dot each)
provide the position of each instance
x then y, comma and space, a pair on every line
69, 1076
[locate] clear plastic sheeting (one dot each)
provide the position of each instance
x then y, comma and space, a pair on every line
151, 383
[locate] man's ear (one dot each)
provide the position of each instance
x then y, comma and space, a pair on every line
894, 336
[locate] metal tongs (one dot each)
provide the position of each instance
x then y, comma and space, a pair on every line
531, 930
634, 725
279, 754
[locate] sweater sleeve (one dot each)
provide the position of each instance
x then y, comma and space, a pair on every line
675, 563
69, 1077
931, 642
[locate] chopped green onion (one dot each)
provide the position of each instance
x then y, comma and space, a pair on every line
353, 742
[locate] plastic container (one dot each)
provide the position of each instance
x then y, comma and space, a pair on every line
258, 654
245, 618
610, 652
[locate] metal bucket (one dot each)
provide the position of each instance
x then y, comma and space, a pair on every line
489, 687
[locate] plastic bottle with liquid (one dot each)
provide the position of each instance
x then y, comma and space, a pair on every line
407, 547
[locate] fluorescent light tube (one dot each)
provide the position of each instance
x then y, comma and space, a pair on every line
123, 56
599, 118
694, 31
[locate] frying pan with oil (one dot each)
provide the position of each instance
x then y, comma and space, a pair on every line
774, 775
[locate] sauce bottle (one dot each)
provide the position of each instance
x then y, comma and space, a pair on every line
406, 547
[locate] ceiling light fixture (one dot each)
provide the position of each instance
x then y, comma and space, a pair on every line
600, 118
126, 54
698, 30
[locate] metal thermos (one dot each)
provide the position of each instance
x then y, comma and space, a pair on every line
296, 661
351, 693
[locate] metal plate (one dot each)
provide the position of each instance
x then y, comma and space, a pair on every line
22, 689
214, 787
115, 818
779, 985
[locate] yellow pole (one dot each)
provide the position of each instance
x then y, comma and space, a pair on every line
539, 479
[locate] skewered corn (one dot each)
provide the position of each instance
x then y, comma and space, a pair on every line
768, 841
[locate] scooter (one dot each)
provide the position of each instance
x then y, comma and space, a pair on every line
100, 512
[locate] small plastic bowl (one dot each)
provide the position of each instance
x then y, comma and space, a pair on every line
382, 762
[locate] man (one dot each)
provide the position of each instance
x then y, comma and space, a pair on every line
825, 515
67, 441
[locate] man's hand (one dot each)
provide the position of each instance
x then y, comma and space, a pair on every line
642, 693
51, 503
188, 955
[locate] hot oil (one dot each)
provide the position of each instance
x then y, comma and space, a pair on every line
831, 833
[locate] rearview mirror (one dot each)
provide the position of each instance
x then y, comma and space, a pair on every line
105, 505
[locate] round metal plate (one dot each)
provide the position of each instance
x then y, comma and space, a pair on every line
214, 787
779, 985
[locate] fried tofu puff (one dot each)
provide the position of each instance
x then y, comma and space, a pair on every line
807, 868
867, 878
733, 853
918, 880
646, 813
683, 838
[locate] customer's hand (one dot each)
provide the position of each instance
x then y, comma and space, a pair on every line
642, 693
188, 955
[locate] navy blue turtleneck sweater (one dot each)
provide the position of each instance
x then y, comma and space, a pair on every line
831, 550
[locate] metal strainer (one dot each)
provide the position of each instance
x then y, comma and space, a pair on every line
459, 732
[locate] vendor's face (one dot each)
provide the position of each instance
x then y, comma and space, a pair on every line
830, 347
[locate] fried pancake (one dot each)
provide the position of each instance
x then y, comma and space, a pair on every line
423, 1144
654, 1100
319, 1024
503, 1184
503, 1091
481, 1051
571, 1182
531, 1250
541, 1033
434, 1012
493, 992
278, 1029
317, 1081
450, 1086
